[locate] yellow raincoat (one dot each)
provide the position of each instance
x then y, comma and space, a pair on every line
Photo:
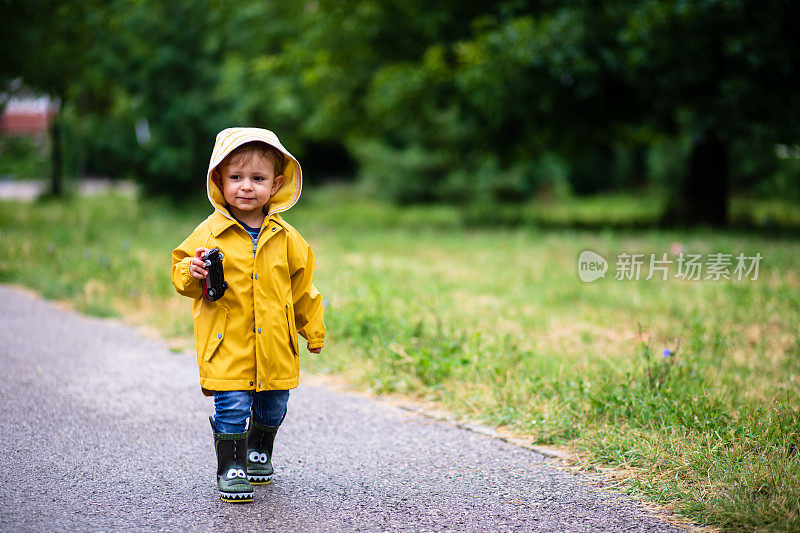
247, 340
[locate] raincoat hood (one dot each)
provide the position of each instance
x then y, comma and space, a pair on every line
231, 138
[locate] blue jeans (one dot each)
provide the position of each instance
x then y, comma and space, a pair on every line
233, 407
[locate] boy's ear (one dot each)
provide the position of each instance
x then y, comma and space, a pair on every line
216, 177
276, 184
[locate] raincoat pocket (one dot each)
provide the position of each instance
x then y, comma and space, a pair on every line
292, 329
218, 323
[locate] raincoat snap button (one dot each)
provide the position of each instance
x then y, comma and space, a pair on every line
251, 383
274, 229
256, 276
259, 330
259, 383
219, 336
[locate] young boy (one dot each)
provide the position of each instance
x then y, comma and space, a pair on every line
247, 339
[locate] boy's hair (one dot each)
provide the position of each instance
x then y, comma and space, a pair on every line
244, 154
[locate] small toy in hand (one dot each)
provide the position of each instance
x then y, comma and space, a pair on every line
214, 285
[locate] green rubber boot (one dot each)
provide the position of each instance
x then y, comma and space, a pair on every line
231, 470
259, 452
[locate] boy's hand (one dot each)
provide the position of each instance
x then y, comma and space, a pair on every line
315, 350
197, 268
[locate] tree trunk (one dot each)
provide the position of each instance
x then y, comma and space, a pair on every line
703, 195
56, 154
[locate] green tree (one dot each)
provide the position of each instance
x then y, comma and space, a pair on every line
165, 62
521, 82
51, 46
315, 63
580, 76
721, 71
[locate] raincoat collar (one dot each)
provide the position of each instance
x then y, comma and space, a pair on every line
219, 222
227, 141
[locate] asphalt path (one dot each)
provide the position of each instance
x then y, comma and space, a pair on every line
102, 429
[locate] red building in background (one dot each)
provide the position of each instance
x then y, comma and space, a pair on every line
29, 117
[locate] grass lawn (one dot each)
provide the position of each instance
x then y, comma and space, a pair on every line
496, 325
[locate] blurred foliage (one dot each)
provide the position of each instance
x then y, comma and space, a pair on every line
52, 46
426, 101
21, 158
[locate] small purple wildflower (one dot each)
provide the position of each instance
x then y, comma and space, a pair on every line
666, 352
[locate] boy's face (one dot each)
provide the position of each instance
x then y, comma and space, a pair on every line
247, 187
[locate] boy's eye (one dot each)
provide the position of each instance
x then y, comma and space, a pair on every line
258, 178
236, 177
